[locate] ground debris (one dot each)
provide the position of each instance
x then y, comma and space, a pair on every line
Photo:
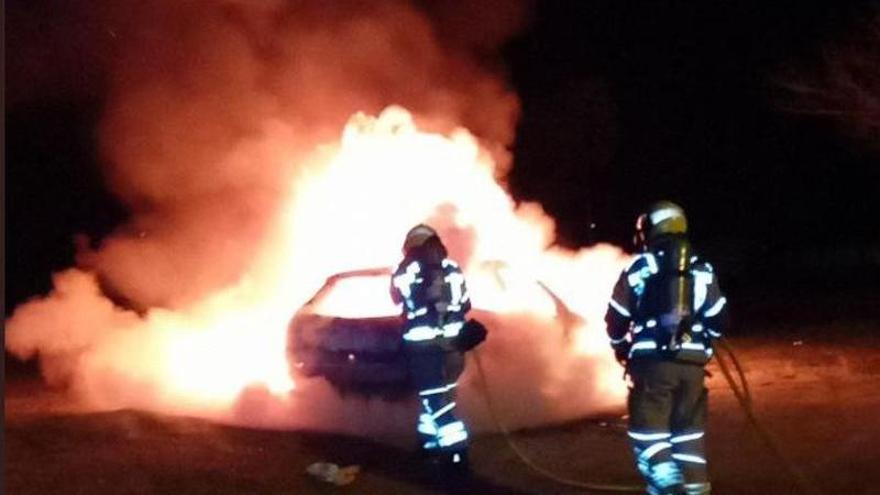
332, 473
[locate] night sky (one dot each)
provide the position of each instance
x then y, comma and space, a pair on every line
623, 103
677, 99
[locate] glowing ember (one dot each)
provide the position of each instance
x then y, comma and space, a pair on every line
348, 209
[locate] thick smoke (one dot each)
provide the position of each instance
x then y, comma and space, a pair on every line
213, 101
211, 106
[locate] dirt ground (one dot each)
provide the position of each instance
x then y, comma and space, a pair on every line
818, 397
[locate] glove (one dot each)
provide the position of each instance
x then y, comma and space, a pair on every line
472, 334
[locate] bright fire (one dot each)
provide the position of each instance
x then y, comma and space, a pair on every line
348, 209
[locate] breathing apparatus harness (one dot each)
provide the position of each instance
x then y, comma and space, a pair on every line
666, 302
673, 291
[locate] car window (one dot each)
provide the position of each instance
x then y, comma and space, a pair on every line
357, 297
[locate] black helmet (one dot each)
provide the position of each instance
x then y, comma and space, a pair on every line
663, 217
417, 236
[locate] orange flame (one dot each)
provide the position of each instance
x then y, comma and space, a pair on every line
348, 209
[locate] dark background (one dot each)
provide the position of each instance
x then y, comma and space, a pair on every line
623, 103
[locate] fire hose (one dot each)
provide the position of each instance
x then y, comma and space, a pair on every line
744, 397
740, 390
508, 436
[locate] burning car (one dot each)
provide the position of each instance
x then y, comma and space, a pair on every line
350, 332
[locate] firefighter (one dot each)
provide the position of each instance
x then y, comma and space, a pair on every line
664, 313
432, 291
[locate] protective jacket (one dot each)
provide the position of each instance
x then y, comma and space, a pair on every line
433, 292
434, 298
667, 303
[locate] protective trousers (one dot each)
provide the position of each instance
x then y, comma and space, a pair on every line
434, 370
667, 413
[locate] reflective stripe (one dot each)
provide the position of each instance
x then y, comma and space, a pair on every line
651, 323
652, 263
416, 334
406, 279
648, 436
716, 308
638, 328
701, 287
453, 438
427, 429
634, 279
635, 260
714, 333
424, 332
427, 425
455, 281
666, 474
698, 488
693, 346
704, 278
452, 329
619, 307
687, 438
618, 341
664, 214
419, 312
700, 293
448, 262
452, 433
438, 390
443, 410
697, 327
645, 344
451, 428
445, 435
689, 458
653, 449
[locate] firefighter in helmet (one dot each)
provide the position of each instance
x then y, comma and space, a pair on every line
435, 299
664, 313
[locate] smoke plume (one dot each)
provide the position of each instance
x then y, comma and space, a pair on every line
213, 110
